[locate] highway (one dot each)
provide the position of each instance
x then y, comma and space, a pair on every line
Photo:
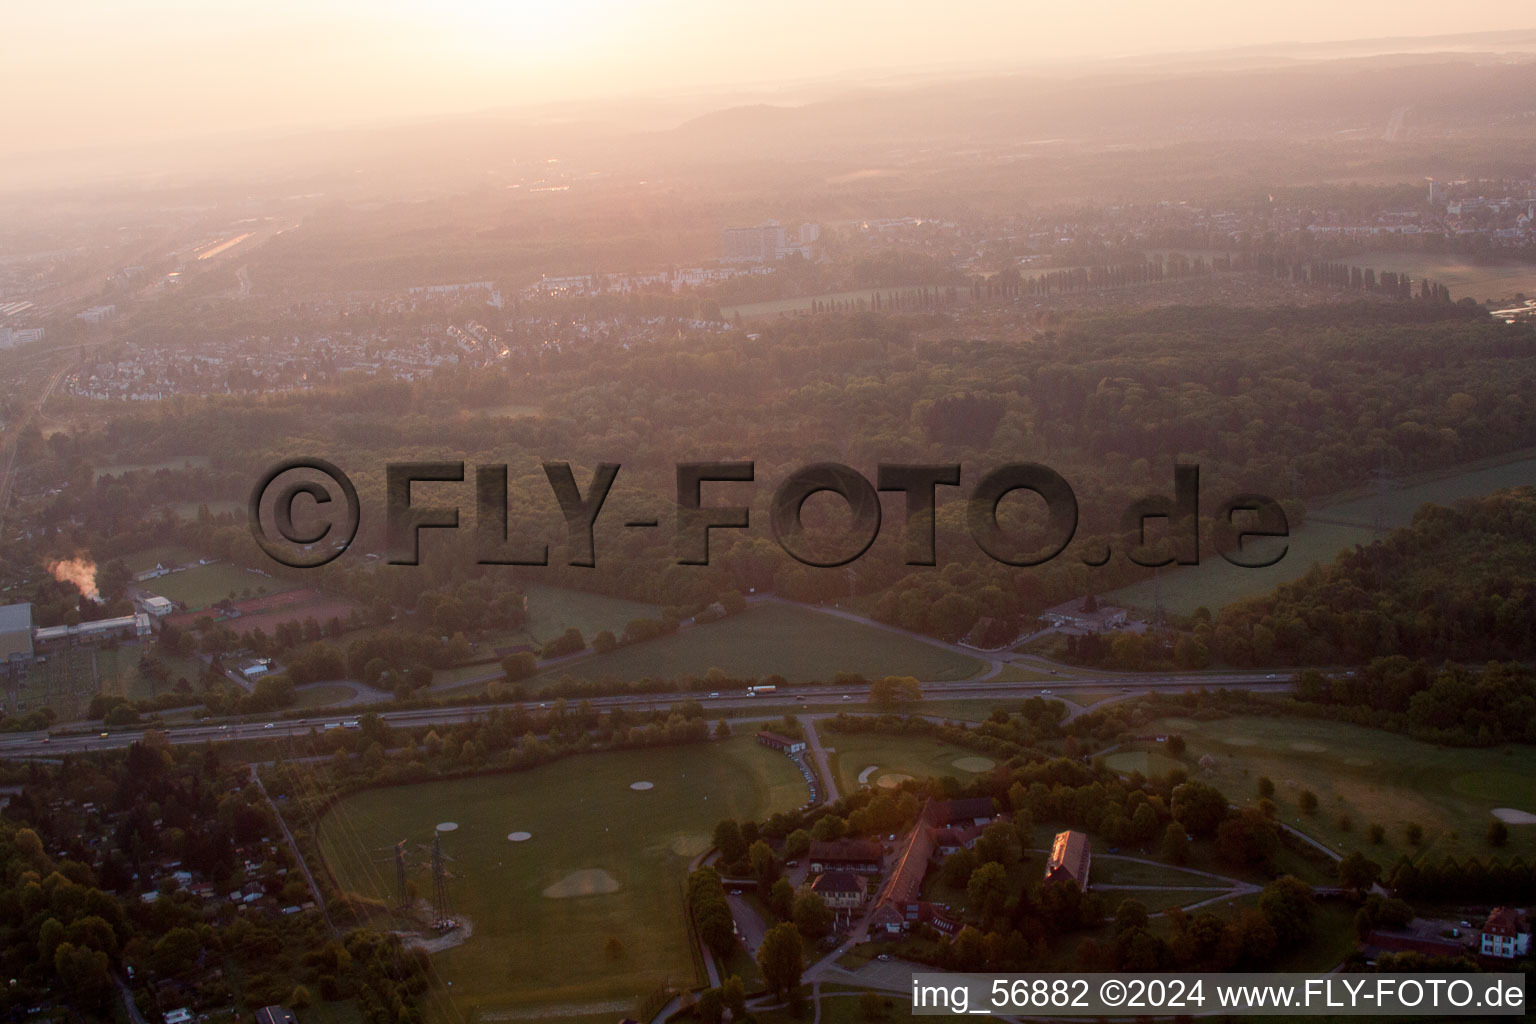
825, 699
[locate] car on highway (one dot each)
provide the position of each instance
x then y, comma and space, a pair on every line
270, 725
846, 697
1046, 692
103, 735
1271, 676
713, 696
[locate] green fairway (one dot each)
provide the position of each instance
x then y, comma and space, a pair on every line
1370, 776
205, 585
1148, 762
603, 860
887, 760
797, 643
1328, 530
552, 610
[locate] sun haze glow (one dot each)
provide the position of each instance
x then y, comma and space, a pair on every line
96, 72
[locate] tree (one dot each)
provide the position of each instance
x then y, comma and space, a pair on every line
735, 997
1356, 872
797, 843
1414, 832
812, 916
764, 867
1198, 807
1498, 833
999, 843
1175, 845
1307, 801
781, 899
177, 952
728, 840
711, 1006
1286, 904
894, 693
1377, 834
781, 958
1175, 745
1130, 916
1266, 787
515, 667
988, 890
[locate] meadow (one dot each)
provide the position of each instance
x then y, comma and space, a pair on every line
1478, 279
552, 610
797, 643
603, 860
1329, 529
880, 760
1369, 776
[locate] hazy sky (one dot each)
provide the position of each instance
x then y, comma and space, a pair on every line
85, 72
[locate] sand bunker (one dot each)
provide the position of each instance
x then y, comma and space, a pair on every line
1308, 747
1511, 816
890, 780
690, 845
974, 764
642, 786
587, 882
866, 773
519, 837
447, 826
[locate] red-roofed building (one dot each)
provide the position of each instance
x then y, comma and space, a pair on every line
1071, 857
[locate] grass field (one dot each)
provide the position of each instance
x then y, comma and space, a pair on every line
180, 462
1329, 529
1481, 280
168, 554
1371, 776
321, 695
551, 610
205, 585
896, 757
588, 827
797, 643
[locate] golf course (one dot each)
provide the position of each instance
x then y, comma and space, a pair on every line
549, 865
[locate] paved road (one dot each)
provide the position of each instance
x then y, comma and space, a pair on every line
829, 792
90, 737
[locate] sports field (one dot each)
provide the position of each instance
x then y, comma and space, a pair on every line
1372, 776
885, 761
797, 643
1328, 530
602, 860
204, 585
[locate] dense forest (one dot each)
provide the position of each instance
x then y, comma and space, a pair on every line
1457, 584
1297, 403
